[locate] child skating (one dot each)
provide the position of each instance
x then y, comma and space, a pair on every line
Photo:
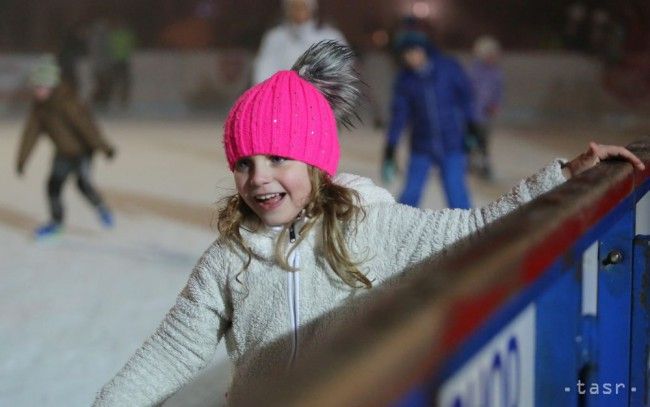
432, 97
57, 113
298, 240
486, 75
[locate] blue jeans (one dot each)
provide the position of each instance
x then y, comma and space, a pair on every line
452, 174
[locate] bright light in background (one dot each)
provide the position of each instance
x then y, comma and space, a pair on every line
421, 9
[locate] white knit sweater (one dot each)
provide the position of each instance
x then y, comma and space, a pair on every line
255, 310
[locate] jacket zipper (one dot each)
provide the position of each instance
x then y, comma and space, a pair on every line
293, 288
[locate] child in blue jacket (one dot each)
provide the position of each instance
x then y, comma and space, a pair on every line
433, 96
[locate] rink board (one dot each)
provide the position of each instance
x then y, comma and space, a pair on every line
578, 333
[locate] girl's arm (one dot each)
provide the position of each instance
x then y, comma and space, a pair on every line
410, 235
180, 347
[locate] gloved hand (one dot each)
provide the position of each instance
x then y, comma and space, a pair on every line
472, 127
388, 165
472, 134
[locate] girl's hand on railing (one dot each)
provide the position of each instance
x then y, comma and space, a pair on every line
597, 153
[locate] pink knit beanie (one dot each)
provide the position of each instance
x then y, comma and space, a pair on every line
294, 114
284, 116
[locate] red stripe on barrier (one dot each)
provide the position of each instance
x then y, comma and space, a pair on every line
536, 261
467, 314
476, 310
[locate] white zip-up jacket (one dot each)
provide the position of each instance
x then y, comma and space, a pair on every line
259, 311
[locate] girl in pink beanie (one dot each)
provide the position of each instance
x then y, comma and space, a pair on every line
298, 241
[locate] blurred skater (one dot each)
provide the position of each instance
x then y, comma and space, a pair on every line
285, 43
576, 27
72, 48
122, 41
99, 52
433, 96
57, 112
487, 79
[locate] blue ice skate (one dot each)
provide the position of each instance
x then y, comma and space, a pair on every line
106, 218
47, 231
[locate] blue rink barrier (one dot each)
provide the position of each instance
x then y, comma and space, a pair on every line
578, 335
549, 306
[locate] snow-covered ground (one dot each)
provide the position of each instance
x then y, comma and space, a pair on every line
74, 308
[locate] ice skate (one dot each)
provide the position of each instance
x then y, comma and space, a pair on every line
47, 231
106, 218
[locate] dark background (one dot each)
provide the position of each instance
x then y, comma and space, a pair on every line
38, 25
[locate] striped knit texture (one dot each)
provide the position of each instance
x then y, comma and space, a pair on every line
284, 116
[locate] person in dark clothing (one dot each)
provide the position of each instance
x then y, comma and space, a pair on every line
73, 47
57, 112
122, 42
101, 64
486, 76
575, 34
432, 95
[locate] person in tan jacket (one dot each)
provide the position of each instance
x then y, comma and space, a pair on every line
58, 113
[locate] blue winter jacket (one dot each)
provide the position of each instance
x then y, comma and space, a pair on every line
436, 102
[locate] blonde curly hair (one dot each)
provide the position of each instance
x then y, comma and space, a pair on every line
329, 203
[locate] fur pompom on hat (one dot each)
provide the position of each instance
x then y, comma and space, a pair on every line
294, 114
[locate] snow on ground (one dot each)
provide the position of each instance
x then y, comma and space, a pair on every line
76, 307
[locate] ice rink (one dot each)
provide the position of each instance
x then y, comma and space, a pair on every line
74, 308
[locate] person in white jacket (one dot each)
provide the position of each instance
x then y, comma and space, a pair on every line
298, 241
284, 43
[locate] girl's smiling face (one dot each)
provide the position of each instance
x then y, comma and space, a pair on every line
275, 188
